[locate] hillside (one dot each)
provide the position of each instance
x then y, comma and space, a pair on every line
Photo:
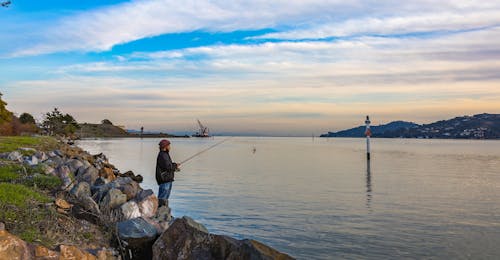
481, 126
100, 130
376, 130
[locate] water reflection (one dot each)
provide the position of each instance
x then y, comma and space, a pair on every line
368, 185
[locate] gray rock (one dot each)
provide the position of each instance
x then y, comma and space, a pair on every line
130, 210
15, 156
54, 161
31, 160
73, 165
66, 177
47, 170
138, 235
186, 239
128, 187
4, 155
86, 208
81, 189
89, 174
41, 156
58, 153
147, 202
113, 199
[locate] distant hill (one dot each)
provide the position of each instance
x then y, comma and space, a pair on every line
376, 130
481, 126
100, 130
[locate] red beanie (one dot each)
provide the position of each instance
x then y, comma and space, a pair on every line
164, 143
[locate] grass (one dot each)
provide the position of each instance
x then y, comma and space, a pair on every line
9, 173
20, 195
12, 143
43, 182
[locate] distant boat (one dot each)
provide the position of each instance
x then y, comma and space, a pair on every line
202, 131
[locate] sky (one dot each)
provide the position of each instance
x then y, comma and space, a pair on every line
292, 68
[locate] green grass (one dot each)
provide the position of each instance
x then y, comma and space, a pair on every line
12, 143
19, 195
43, 182
9, 173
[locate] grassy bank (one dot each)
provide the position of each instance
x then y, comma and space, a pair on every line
27, 200
12, 143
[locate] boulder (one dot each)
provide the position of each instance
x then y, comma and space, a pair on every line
130, 210
58, 153
88, 175
27, 149
147, 202
81, 189
60, 203
73, 165
86, 208
186, 239
128, 187
55, 161
130, 174
31, 160
107, 173
66, 177
43, 253
4, 155
73, 252
41, 156
138, 235
15, 156
12, 247
113, 199
47, 170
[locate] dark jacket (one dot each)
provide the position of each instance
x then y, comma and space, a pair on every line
165, 168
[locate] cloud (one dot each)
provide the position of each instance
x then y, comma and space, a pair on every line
103, 28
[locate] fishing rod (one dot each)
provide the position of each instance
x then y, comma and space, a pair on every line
202, 151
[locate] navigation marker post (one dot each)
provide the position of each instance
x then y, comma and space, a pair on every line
368, 133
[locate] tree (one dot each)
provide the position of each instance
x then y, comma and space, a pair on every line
56, 123
106, 122
5, 115
27, 118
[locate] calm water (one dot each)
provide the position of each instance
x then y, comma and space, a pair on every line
316, 199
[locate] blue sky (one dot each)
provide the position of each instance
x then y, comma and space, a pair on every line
269, 67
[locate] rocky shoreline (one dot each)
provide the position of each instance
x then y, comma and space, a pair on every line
94, 191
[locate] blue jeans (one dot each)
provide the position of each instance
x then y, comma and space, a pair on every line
164, 191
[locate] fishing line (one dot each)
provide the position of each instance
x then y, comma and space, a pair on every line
204, 150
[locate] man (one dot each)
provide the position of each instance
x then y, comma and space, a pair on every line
165, 170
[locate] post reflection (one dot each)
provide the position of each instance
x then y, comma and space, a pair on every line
368, 185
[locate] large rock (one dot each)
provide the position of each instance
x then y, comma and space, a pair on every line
73, 252
128, 187
31, 160
15, 156
81, 189
147, 202
89, 174
54, 161
74, 164
66, 177
138, 235
41, 156
107, 173
12, 247
113, 199
186, 239
43, 253
130, 210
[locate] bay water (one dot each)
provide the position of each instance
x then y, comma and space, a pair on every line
319, 198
